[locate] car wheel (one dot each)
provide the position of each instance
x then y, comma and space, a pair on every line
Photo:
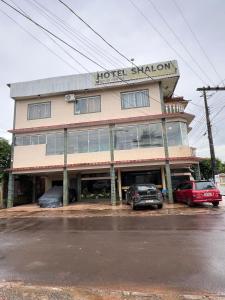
190, 203
215, 203
160, 206
133, 206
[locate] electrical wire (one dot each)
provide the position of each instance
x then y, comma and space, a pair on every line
196, 39
147, 19
179, 40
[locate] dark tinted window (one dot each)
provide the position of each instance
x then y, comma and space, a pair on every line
204, 185
185, 186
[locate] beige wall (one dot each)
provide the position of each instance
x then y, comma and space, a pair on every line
33, 156
62, 112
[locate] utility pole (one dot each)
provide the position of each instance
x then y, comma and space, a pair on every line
209, 126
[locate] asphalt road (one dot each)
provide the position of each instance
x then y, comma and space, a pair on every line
171, 252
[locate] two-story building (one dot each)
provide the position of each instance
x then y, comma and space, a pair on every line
98, 133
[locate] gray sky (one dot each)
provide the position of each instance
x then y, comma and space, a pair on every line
24, 58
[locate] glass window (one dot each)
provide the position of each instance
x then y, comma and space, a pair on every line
93, 140
88, 105
26, 140
144, 135
42, 139
55, 144
204, 185
72, 142
184, 133
104, 139
174, 134
18, 140
126, 137
39, 110
82, 139
135, 99
155, 133
34, 140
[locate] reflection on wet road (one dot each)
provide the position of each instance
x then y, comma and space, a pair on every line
185, 252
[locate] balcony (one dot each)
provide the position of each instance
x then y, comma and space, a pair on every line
172, 108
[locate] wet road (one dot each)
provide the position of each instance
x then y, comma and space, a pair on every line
172, 252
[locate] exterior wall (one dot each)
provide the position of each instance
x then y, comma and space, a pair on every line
34, 155
63, 112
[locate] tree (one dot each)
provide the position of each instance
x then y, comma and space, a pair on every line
205, 167
5, 155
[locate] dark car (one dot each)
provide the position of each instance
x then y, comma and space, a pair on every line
198, 191
144, 195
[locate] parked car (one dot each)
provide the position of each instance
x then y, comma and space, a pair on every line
197, 191
52, 198
144, 195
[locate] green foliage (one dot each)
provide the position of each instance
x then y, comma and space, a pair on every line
5, 154
205, 167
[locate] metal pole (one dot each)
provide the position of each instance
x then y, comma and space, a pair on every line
65, 173
112, 168
209, 128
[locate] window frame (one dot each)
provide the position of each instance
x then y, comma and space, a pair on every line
39, 103
87, 98
127, 92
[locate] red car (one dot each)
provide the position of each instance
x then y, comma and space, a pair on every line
192, 192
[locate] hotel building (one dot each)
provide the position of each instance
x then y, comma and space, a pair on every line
98, 133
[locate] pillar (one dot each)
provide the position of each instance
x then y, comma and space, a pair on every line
78, 187
10, 191
65, 187
163, 177
168, 171
65, 172
33, 189
112, 168
198, 172
48, 184
120, 186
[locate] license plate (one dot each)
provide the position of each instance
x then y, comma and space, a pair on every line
207, 194
149, 201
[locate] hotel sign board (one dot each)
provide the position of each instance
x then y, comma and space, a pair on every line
151, 71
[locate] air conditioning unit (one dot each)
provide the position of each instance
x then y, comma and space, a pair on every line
70, 97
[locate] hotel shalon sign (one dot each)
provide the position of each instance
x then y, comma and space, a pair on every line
154, 71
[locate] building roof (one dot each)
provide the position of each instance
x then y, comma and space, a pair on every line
165, 72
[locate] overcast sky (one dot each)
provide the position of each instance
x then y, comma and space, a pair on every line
139, 31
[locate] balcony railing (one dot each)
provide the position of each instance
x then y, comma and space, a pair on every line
174, 108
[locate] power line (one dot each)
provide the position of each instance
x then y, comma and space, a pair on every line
166, 41
39, 41
62, 26
179, 40
196, 39
60, 39
100, 36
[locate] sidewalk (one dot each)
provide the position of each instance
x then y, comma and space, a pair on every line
105, 209
21, 292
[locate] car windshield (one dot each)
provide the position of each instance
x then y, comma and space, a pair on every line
142, 188
204, 185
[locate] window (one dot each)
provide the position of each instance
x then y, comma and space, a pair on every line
204, 185
39, 110
88, 105
144, 135
55, 144
177, 133
25, 140
135, 99
88, 140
